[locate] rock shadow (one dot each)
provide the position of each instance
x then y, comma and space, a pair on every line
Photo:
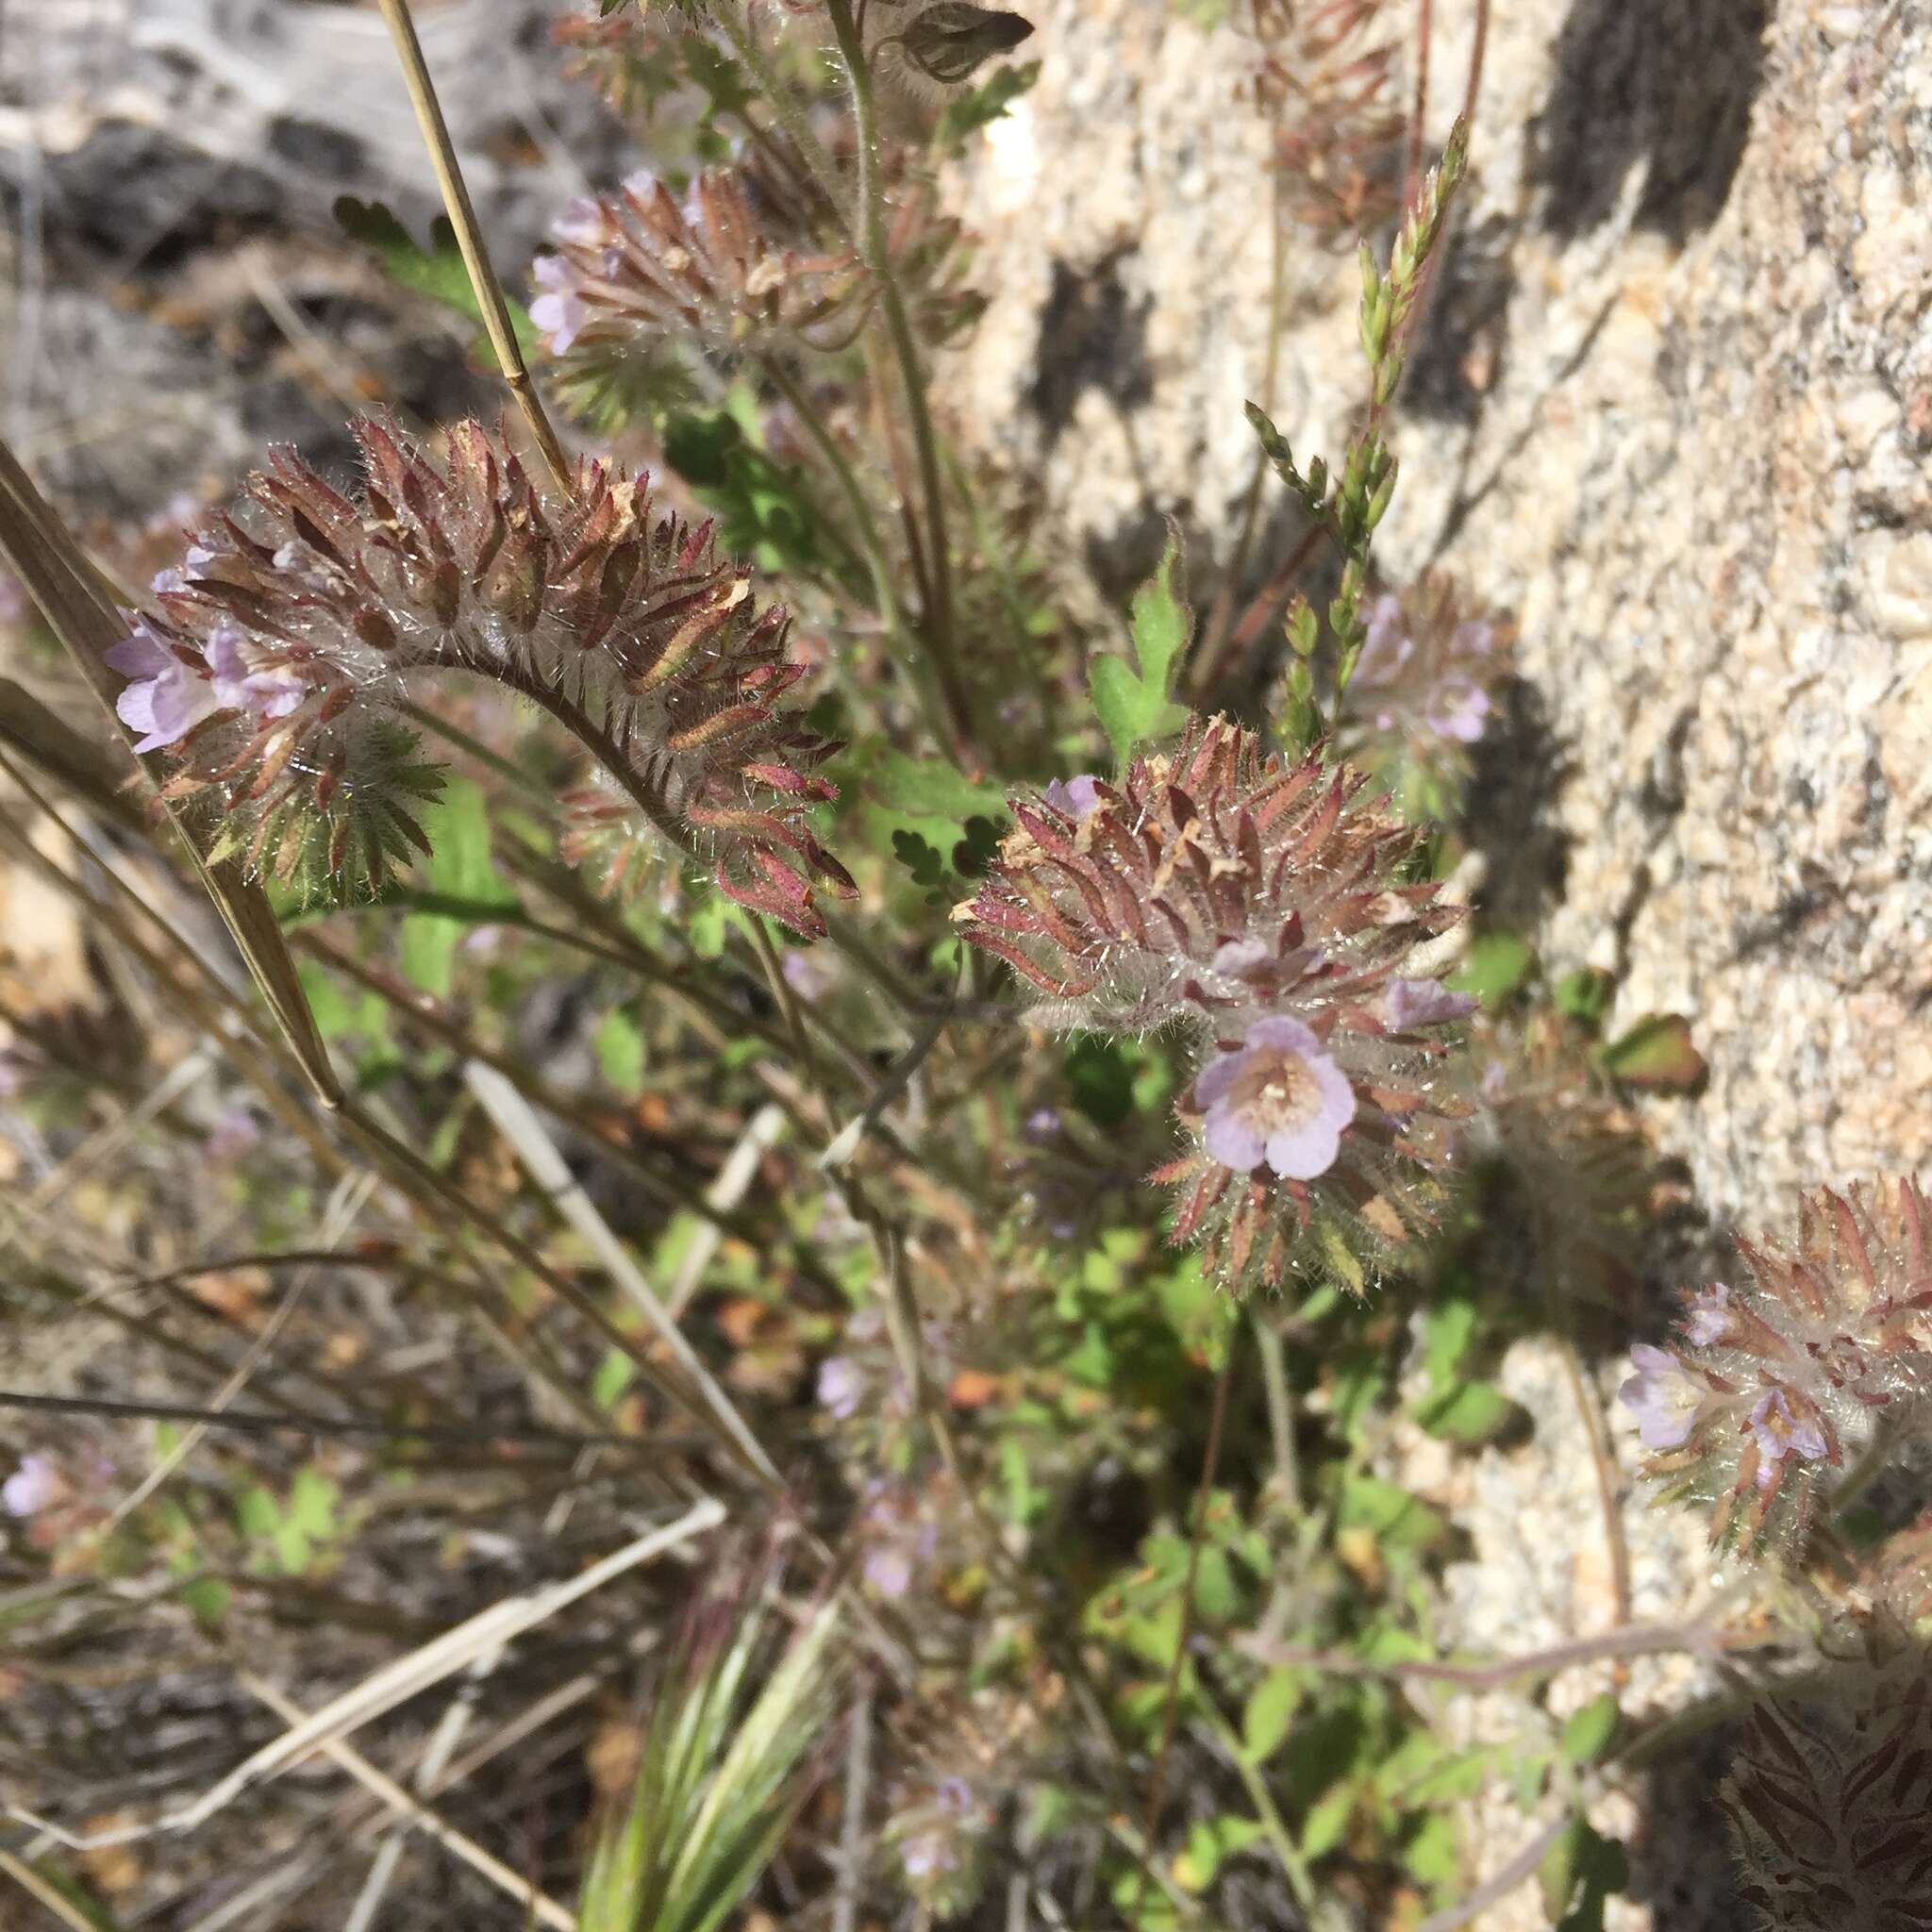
1656, 83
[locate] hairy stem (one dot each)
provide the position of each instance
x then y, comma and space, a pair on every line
877, 259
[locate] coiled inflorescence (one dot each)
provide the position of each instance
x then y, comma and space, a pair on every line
1784, 1375
301, 620
735, 264
1259, 907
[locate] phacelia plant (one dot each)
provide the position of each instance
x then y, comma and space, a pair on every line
1261, 909
1830, 1801
1790, 1373
300, 621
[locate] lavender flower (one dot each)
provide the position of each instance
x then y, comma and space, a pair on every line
1276, 1098
1426, 683
1707, 1315
36, 1484
842, 1386
1074, 796
1661, 1396
1780, 1432
165, 699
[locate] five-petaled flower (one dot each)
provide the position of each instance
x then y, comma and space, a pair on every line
1662, 1397
1277, 1098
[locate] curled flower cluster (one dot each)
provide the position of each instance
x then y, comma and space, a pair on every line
300, 621
1425, 685
1830, 1801
1258, 906
643, 261
1328, 75
1784, 1375
732, 263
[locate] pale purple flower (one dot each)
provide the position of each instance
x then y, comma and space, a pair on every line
239, 687
1460, 709
1277, 1098
842, 1386
1414, 1003
1495, 1081
888, 1571
1076, 796
1711, 1316
809, 975
163, 699
581, 223
14, 599
1662, 1397
1243, 958
1043, 1126
32, 1487
1780, 1432
235, 1131
928, 1854
561, 312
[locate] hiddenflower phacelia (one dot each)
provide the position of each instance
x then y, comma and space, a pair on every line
1785, 1374
1258, 906
298, 623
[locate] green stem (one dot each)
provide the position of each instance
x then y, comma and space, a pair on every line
873, 251
885, 600
784, 103
1294, 1866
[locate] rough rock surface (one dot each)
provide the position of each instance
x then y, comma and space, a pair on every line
1673, 410
174, 291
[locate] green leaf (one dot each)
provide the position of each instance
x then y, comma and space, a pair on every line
1210, 1841
1578, 1874
983, 106
930, 787
1585, 995
1269, 1712
1470, 1414
1100, 1077
615, 1373
1134, 706
1327, 1821
1495, 966
621, 1051
1398, 1519
1656, 1055
437, 271
460, 867
1587, 1734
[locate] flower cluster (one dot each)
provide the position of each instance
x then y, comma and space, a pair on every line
1424, 688
1327, 75
1784, 1374
732, 263
1830, 1801
299, 622
1258, 906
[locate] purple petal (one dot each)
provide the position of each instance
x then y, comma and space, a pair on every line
1709, 1318
580, 224
1238, 959
1231, 1140
1414, 1003
1218, 1076
1076, 796
1302, 1153
1285, 1036
140, 654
